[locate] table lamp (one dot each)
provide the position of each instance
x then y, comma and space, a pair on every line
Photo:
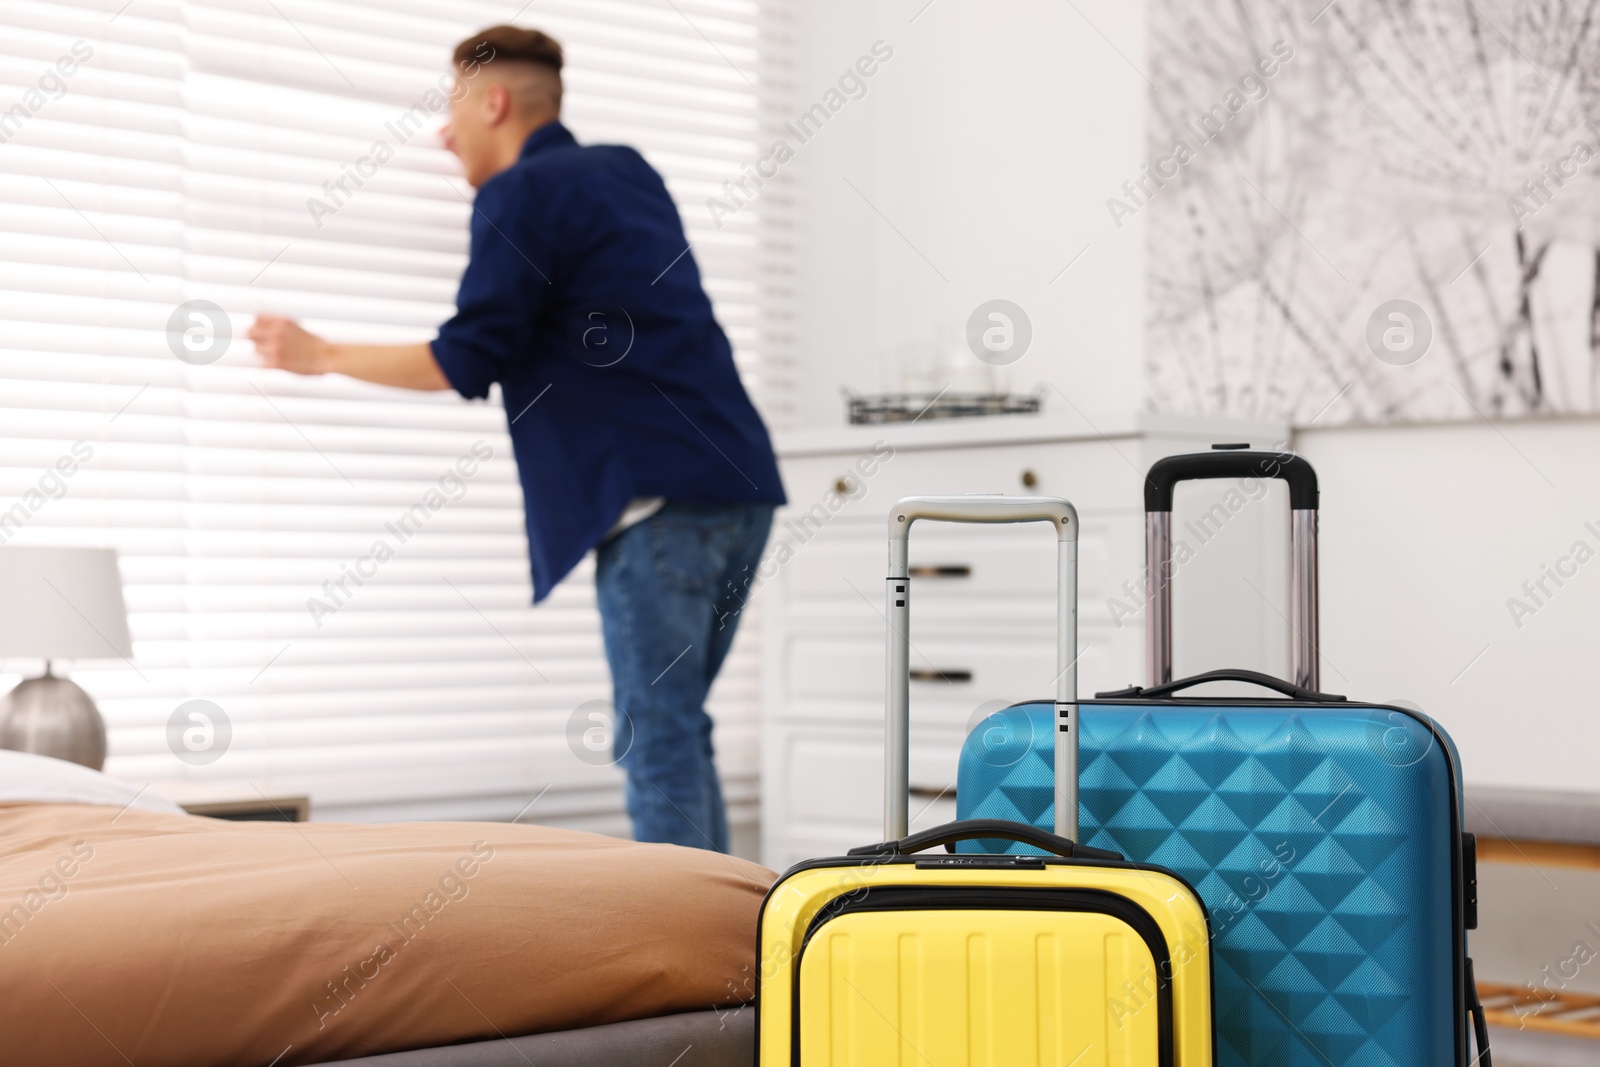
59, 603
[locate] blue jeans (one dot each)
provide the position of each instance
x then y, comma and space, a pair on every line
671, 590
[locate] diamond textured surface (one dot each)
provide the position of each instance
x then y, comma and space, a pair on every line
1320, 847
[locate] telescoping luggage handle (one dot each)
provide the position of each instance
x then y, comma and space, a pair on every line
1231, 461
897, 734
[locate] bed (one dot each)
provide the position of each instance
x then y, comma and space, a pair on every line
692, 1039
133, 933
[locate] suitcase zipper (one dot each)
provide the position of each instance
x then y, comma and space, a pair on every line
1005, 898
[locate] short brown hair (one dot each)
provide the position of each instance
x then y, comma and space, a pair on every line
510, 44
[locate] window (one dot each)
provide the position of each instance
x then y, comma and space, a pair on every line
190, 154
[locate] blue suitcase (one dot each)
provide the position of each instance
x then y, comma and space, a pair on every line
1324, 836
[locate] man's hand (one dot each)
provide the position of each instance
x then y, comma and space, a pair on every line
283, 344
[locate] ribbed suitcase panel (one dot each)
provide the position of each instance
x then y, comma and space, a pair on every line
977, 989
1318, 839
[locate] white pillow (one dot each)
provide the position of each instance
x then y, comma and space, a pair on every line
29, 779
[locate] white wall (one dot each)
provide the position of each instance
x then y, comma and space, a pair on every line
990, 141
1426, 533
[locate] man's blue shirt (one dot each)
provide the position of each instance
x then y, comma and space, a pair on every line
582, 300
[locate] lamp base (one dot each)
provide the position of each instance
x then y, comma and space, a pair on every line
51, 716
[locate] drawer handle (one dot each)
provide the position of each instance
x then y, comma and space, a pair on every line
933, 674
930, 793
942, 570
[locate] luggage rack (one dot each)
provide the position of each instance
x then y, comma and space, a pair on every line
1521, 1008
1511, 825
909, 407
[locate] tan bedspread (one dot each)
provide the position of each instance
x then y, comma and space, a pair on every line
170, 941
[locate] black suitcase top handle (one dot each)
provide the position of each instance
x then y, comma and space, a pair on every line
980, 829
1231, 461
1266, 681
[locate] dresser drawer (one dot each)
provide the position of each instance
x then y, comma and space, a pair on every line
840, 676
1090, 473
954, 567
833, 782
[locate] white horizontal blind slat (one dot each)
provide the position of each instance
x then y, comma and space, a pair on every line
176, 163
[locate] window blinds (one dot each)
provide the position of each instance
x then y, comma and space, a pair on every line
178, 161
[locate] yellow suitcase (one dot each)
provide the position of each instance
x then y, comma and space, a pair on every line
891, 958
895, 957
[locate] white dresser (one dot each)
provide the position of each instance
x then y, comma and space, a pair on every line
982, 609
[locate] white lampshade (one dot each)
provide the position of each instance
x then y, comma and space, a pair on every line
62, 603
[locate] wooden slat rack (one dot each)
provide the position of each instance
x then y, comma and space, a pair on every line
1521, 1008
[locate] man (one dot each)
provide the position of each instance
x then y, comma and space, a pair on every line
632, 433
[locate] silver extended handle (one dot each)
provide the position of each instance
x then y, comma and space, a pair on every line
897, 732
1227, 461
